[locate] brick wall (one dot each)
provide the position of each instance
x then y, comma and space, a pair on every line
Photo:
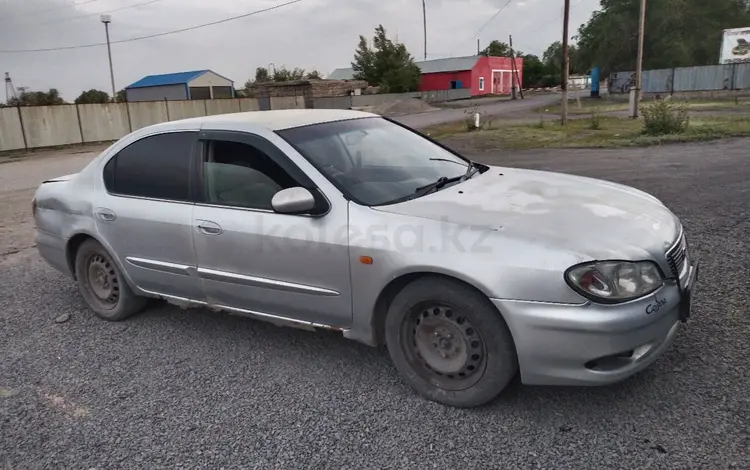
308, 89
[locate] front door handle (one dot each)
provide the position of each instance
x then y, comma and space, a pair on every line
105, 214
207, 227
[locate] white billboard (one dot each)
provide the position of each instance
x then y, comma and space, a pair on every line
735, 46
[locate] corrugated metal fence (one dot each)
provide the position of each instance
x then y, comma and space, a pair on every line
682, 79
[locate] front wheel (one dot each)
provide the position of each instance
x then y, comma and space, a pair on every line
102, 286
449, 342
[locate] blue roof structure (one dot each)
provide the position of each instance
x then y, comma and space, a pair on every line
178, 78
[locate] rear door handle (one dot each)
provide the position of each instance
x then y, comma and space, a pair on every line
207, 227
105, 214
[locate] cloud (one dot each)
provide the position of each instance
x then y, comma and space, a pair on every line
319, 34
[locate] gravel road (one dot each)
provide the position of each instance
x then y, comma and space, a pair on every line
194, 389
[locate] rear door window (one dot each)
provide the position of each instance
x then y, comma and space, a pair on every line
156, 167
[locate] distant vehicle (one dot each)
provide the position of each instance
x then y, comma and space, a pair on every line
344, 220
742, 48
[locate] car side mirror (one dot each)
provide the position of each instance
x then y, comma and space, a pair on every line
295, 200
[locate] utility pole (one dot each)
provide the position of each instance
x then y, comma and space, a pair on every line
639, 64
10, 91
424, 21
478, 50
513, 80
106, 19
514, 71
565, 65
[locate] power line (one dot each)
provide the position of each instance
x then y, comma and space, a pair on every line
540, 26
491, 19
150, 36
487, 23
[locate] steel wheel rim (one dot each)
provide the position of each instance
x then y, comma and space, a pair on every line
443, 345
103, 281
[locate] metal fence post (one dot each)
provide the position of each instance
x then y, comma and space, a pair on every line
671, 91
127, 110
80, 125
166, 107
23, 129
205, 108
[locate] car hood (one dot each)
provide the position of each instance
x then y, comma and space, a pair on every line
596, 219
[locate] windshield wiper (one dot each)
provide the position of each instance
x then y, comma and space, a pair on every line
447, 160
434, 186
441, 182
470, 171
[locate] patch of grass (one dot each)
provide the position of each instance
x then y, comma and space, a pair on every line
604, 105
445, 130
596, 120
620, 103
613, 132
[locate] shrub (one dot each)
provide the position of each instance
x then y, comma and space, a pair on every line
663, 117
485, 122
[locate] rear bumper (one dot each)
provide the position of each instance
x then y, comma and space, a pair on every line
52, 248
591, 344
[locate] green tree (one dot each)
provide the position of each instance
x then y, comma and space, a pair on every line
121, 96
678, 33
552, 61
261, 75
496, 49
314, 75
387, 65
37, 98
283, 74
92, 96
533, 71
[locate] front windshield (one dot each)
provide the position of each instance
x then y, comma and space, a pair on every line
373, 160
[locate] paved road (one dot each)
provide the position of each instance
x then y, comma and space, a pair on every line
499, 108
195, 389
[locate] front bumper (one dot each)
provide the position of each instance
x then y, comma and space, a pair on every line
594, 344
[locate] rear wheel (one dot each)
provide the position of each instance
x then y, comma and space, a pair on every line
102, 286
449, 342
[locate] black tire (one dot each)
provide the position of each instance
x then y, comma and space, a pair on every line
108, 295
438, 310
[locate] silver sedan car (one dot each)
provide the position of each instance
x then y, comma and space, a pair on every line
347, 221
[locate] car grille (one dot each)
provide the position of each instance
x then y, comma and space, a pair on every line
677, 255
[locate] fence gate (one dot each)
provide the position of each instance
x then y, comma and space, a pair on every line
264, 103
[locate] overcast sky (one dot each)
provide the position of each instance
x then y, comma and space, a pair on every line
319, 34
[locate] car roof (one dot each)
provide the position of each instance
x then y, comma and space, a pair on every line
275, 120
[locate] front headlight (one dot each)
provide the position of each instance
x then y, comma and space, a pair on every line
614, 281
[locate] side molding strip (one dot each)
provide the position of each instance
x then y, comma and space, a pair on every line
164, 266
253, 281
241, 311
